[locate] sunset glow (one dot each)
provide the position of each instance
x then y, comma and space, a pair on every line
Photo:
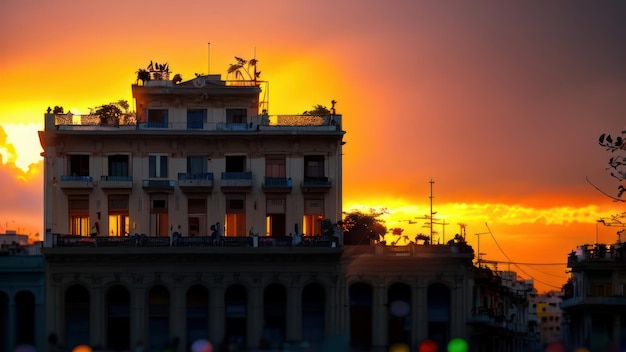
499, 104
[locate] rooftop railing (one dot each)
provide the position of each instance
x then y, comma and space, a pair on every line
262, 122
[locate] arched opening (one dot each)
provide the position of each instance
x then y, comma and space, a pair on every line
159, 318
236, 304
399, 323
313, 314
361, 296
76, 316
118, 318
439, 313
274, 316
197, 313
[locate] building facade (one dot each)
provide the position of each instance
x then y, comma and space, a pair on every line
595, 304
22, 297
202, 216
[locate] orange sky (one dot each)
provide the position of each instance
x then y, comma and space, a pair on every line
500, 103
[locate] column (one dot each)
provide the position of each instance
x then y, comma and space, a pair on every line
96, 312
217, 314
294, 313
178, 316
419, 312
138, 316
254, 315
379, 317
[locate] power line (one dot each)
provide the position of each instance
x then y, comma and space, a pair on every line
520, 269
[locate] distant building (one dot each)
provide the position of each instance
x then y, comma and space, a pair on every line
550, 315
21, 293
501, 318
202, 216
595, 305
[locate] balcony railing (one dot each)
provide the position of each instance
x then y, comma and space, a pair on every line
116, 182
76, 182
236, 179
195, 180
316, 184
277, 184
159, 185
196, 241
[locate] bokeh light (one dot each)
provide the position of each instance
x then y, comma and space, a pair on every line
457, 345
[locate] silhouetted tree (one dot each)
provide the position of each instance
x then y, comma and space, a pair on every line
110, 113
143, 76
361, 228
617, 163
318, 110
57, 110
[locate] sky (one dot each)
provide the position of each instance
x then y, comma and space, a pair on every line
499, 103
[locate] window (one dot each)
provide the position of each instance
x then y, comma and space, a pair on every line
78, 165
196, 208
195, 119
118, 215
313, 216
157, 118
275, 166
235, 163
118, 165
236, 215
275, 221
236, 116
78, 206
313, 166
600, 289
196, 164
159, 221
158, 166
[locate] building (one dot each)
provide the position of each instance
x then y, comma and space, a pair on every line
501, 317
595, 303
548, 308
203, 216
22, 282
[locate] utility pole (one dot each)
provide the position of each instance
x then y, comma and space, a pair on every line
431, 210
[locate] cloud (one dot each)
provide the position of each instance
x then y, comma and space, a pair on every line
21, 208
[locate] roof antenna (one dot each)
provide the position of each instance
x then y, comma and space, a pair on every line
209, 60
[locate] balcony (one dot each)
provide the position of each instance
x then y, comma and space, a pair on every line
196, 241
116, 182
316, 184
195, 182
277, 184
593, 301
159, 185
76, 182
236, 181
